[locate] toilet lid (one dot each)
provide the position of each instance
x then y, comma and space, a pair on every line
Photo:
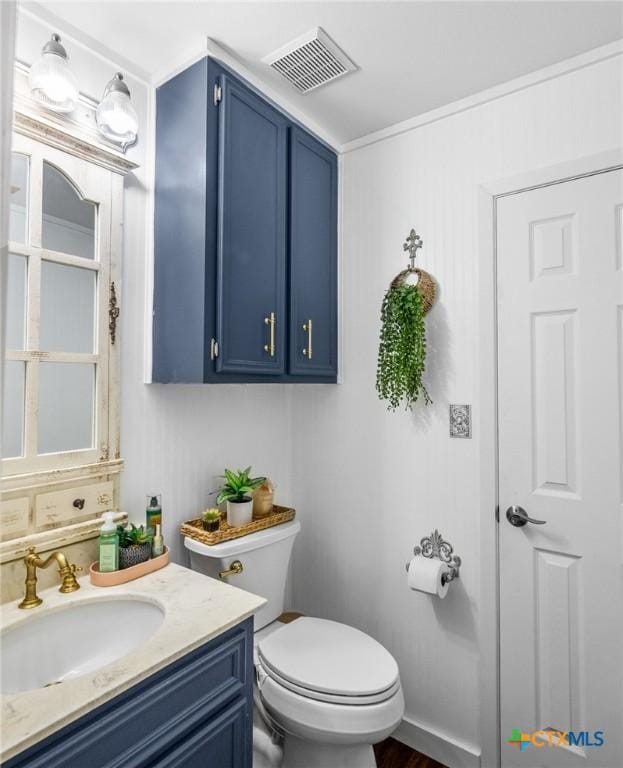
322, 656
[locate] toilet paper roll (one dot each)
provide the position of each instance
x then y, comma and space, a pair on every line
425, 576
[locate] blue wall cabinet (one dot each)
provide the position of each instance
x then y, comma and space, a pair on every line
196, 712
245, 250
313, 249
182, 306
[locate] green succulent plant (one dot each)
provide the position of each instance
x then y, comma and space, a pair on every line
238, 485
402, 348
211, 514
132, 536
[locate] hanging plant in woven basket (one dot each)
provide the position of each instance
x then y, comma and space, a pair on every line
402, 348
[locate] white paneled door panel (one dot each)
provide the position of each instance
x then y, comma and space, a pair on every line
560, 336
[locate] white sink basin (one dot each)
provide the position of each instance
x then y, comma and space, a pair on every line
54, 646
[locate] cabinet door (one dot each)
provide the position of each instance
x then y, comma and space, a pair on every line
219, 743
313, 257
251, 250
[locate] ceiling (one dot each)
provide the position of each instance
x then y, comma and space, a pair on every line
412, 56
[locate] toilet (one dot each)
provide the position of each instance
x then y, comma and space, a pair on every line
329, 689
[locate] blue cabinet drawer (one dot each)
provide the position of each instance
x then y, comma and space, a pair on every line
143, 723
218, 743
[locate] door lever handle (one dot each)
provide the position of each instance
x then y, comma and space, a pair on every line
518, 517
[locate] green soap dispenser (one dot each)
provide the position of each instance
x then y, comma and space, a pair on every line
108, 544
153, 513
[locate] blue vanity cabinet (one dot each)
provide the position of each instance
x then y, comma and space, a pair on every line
313, 257
251, 250
245, 237
196, 712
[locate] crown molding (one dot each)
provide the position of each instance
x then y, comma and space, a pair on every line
551, 72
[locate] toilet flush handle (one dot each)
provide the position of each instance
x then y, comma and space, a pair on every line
234, 569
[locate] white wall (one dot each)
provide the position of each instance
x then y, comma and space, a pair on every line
175, 439
369, 484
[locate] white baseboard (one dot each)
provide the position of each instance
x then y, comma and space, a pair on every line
439, 746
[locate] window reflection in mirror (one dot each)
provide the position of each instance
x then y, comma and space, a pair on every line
68, 221
51, 366
67, 308
66, 406
16, 302
13, 409
18, 206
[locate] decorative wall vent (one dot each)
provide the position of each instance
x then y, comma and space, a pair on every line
312, 60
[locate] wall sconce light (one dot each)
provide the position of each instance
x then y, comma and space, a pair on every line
116, 117
51, 80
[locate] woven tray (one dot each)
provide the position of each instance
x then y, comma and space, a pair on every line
194, 528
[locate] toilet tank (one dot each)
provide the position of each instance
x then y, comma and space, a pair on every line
265, 558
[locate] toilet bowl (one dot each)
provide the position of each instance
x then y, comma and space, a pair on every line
328, 689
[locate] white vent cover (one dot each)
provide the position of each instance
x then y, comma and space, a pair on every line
312, 60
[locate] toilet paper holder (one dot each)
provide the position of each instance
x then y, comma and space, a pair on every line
435, 546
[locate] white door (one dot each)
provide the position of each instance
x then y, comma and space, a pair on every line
560, 337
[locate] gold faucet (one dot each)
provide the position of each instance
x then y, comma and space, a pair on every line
66, 571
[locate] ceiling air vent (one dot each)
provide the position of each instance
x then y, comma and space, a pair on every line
310, 61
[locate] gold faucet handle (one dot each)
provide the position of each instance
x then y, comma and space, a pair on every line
69, 583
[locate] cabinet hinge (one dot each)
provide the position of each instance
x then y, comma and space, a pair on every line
213, 349
218, 94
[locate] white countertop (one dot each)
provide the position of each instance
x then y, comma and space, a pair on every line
196, 609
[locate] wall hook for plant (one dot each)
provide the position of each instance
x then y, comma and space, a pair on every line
425, 282
411, 244
402, 347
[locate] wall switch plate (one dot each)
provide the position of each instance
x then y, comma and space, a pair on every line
460, 420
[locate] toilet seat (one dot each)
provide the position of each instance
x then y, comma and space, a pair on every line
331, 698
329, 662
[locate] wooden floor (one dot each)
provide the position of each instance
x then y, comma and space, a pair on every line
393, 754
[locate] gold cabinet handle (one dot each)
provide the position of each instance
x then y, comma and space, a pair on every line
234, 569
308, 326
271, 322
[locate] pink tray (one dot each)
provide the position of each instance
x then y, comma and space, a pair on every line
127, 574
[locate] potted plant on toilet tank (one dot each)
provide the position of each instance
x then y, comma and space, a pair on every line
237, 492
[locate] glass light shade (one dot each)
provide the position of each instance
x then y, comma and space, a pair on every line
51, 80
116, 117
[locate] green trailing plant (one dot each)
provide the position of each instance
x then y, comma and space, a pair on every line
132, 536
402, 348
238, 485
